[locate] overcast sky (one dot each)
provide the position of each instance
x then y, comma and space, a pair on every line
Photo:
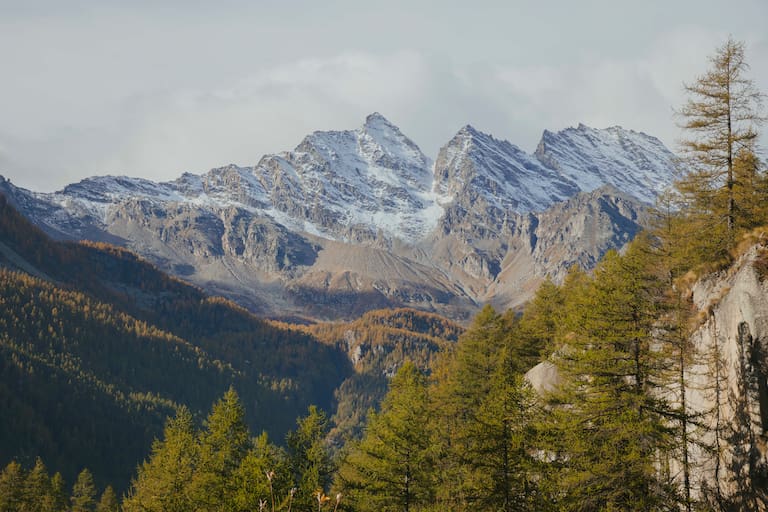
153, 89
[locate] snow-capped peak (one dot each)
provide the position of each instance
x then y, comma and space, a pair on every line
474, 164
468, 131
636, 163
374, 181
106, 189
376, 121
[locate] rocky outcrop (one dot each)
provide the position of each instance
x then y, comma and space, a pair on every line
727, 385
729, 382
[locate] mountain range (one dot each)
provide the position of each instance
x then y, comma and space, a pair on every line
362, 219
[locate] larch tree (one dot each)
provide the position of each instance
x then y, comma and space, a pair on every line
108, 501
721, 117
162, 482
84, 493
223, 444
390, 469
264, 474
466, 384
58, 493
483, 410
503, 457
610, 421
309, 458
540, 321
37, 489
750, 190
11, 487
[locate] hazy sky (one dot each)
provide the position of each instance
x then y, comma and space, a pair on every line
152, 89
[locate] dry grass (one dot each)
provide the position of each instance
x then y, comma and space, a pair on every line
758, 236
761, 264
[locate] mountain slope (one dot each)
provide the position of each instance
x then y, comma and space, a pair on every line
378, 343
360, 219
98, 346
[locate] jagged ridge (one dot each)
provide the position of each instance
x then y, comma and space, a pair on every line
275, 236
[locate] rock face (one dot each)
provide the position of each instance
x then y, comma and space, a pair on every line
727, 385
357, 219
729, 382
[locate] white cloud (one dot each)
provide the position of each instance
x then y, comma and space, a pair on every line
124, 91
266, 112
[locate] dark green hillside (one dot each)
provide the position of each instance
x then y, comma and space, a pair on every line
97, 347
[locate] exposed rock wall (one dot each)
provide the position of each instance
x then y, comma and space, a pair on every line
726, 386
728, 383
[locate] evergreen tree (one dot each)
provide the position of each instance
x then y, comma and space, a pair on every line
722, 114
614, 424
222, 447
750, 190
540, 321
37, 489
673, 241
264, 474
108, 501
390, 469
11, 487
162, 482
467, 382
504, 438
58, 498
484, 416
310, 461
83, 493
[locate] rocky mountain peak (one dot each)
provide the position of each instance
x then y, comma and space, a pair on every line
476, 164
636, 163
376, 121
468, 131
382, 144
474, 227
360, 184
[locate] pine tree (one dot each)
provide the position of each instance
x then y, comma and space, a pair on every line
223, 445
162, 482
83, 493
11, 487
390, 469
108, 501
310, 461
722, 114
614, 424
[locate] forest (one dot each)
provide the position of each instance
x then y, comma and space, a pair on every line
460, 430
